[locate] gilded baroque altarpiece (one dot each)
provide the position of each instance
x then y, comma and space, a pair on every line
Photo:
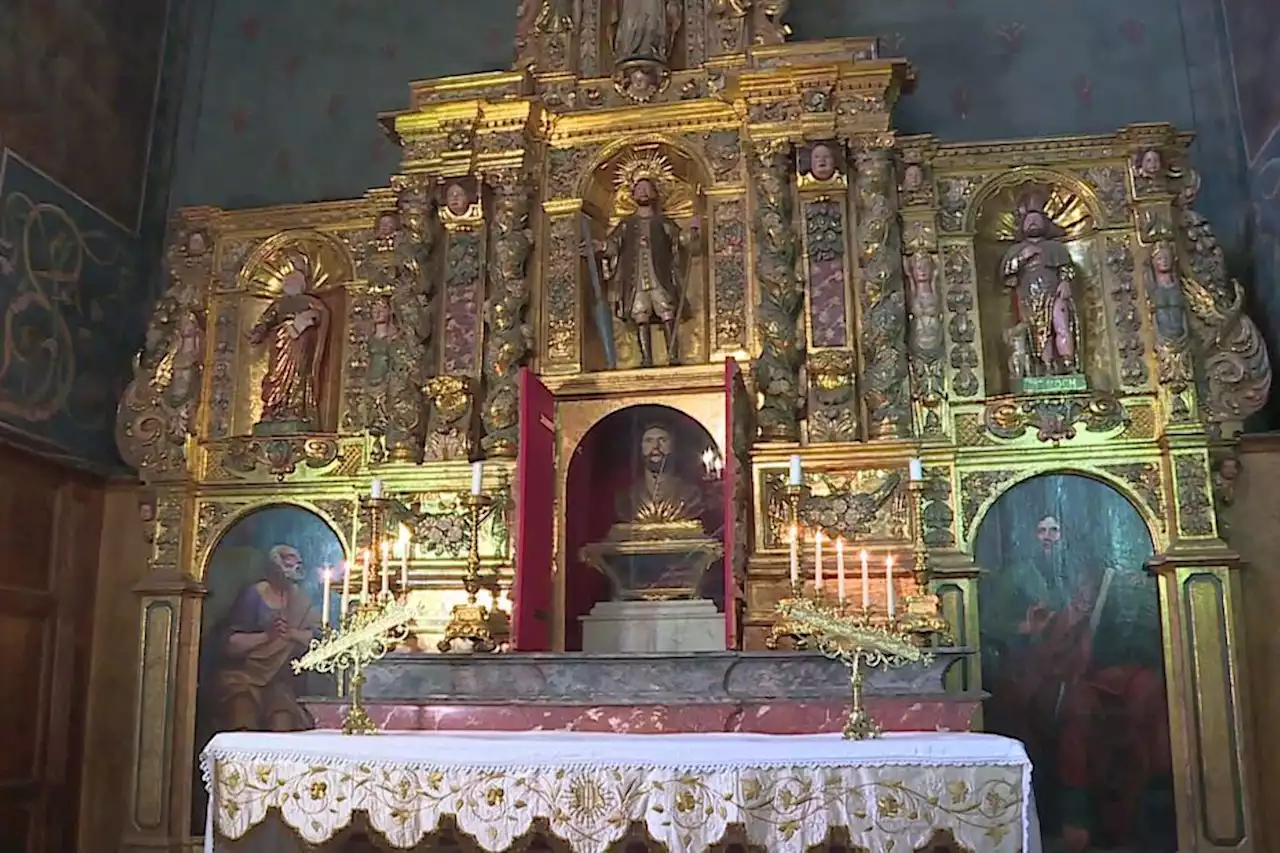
861, 278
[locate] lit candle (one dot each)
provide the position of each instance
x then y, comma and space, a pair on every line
796, 472
866, 581
404, 558
364, 579
817, 561
386, 567
324, 605
477, 474
375, 491
840, 568
916, 469
709, 461
795, 556
888, 582
346, 588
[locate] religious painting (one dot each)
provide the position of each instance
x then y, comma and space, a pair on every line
1072, 659
644, 513
265, 580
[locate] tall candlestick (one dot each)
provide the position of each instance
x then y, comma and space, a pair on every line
795, 556
477, 475
375, 491
840, 569
797, 475
346, 589
364, 579
817, 562
888, 582
386, 567
866, 581
916, 470
325, 604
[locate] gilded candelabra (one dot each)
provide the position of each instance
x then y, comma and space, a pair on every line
472, 621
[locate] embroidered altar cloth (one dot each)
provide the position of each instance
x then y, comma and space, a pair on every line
786, 791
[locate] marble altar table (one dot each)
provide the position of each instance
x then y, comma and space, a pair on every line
787, 792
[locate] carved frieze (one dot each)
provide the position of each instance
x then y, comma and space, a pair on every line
962, 329
1054, 419
729, 270
280, 456
561, 290
936, 514
977, 489
1126, 319
833, 399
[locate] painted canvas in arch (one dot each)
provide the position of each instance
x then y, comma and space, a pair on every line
1072, 658
262, 609
80, 81
73, 313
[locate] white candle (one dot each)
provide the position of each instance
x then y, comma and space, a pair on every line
796, 472
817, 562
364, 579
916, 469
324, 605
346, 588
795, 555
888, 582
375, 491
866, 581
386, 567
840, 569
477, 474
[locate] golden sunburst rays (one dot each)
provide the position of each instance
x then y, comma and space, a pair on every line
677, 196
1065, 207
318, 259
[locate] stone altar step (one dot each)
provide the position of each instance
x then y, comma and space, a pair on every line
764, 692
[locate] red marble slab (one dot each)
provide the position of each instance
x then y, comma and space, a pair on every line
894, 714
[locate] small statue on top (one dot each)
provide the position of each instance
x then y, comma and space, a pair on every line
1039, 269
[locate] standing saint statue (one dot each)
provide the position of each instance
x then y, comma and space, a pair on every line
641, 261
1039, 269
295, 328
645, 30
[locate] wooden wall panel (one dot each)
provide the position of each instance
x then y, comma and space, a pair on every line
50, 522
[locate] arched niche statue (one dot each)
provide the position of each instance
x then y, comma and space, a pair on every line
647, 291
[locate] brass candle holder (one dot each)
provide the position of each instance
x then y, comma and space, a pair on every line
920, 552
363, 634
860, 638
471, 620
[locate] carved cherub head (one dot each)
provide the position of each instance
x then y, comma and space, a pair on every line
822, 161
387, 225
457, 199
1149, 164
913, 177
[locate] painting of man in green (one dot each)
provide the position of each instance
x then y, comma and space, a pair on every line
1071, 656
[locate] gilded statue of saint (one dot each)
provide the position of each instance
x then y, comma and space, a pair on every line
659, 494
295, 328
1039, 269
645, 30
641, 260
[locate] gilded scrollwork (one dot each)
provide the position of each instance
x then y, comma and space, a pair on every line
165, 536
565, 167
1143, 480
510, 338
729, 268
561, 290
1054, 419
955, 193
833, 401
1195, 504
233, 252
1109, 186
212, 517
883, 332
723, 150
451, 414
936, 514
977, 489
341, 513
1237, 369
222, 381
777, 369
958, 272
862, 504
157, 413
279, 456
1126, 321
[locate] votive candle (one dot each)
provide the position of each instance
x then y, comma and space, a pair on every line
817, 562
840, 568
795, 556
866, 580
797, 473
888, 580
477, 475
325, 605
346, 588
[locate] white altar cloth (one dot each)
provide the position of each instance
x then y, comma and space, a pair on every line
787, 791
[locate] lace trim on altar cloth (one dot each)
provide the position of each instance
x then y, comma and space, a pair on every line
892, 803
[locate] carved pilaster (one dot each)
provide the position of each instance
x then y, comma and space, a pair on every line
883, 331
926, 288
781, 295
509, 338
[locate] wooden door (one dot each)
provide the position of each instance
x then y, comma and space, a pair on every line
534, 589
739, 428
50, 520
